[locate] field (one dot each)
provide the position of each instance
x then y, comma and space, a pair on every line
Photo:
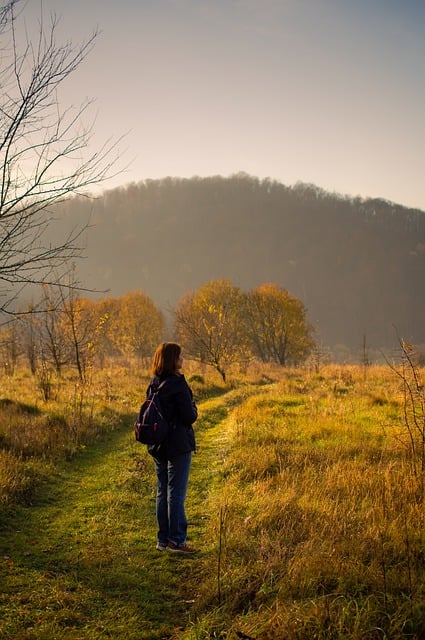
306, 502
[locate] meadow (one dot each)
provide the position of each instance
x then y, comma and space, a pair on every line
306, 502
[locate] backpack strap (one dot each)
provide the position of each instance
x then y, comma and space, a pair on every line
155, 386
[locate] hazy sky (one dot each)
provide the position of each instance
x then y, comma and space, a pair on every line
330, 92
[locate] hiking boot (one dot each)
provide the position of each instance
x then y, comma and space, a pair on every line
161, 546
180, 548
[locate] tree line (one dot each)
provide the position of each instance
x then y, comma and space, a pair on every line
217, 324
356, 264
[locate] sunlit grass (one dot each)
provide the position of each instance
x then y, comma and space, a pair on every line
309, 513
319, 525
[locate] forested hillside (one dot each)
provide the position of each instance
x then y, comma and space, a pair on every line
357, 265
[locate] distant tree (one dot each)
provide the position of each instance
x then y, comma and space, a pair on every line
135, 324
320, 355
54, 348
9, 347
42, 148
29, 336
263, 231
80, 325
276, 325
105, 341
42, 333
208, 324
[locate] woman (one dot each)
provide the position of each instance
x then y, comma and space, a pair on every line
173, 457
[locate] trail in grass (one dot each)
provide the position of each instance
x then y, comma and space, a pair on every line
81, 561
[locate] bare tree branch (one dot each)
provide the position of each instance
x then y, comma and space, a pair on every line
44, 146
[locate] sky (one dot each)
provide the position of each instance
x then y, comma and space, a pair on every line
328, 92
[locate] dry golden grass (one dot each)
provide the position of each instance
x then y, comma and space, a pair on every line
319, 526
35, 433
315, 524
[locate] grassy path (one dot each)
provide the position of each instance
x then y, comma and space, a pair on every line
81, 563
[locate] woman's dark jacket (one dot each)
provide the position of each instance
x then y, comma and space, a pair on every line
180, 411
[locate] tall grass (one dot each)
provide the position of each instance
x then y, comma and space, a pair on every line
36, 433
316, 507
318, 529
38, 430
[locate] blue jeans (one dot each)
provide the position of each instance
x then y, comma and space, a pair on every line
172, 476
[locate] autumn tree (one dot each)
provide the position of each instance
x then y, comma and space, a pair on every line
135, 324
276, 325
208, 324
63, 328
80, 324
105, 345
44, 155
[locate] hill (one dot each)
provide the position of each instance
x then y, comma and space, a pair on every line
357, 264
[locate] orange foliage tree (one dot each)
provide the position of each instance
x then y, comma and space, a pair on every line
135, 324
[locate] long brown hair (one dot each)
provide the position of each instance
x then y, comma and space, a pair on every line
165, 359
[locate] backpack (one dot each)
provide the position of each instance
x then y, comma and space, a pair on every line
151, 426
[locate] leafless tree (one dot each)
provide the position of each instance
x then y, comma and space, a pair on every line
9, 348
44, 149
413, 389
54, 349
29, 336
